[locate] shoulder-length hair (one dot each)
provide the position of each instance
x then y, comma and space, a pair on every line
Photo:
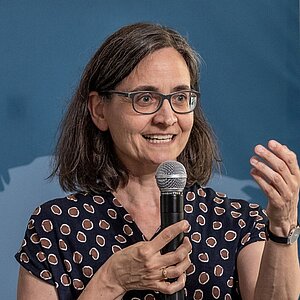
84, 158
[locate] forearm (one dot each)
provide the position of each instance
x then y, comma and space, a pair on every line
279, 274
102, 286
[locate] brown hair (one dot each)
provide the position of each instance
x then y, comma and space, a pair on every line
84, 158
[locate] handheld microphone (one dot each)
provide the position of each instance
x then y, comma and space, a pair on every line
171, 179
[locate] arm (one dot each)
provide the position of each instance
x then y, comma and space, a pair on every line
268, 271
31, 287
136, 267
271, 270
279, 276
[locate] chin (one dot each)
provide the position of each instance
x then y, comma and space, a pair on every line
162, 159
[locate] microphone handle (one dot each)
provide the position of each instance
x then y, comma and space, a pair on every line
176, 296
171, 207
168, 219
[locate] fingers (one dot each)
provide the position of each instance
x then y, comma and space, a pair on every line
179, 258
276, 170
276, 167
149, 252
182, 261
172, 265
142, 266
272, 183
168, 234
167, 287
288, 156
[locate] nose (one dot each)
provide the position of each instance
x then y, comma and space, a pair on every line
165, 115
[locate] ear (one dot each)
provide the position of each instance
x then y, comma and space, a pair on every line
96, 108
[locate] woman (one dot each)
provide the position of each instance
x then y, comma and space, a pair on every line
137, 105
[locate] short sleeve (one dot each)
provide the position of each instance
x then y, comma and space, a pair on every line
35, 253
252, 224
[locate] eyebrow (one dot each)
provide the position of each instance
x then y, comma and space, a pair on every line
155, 89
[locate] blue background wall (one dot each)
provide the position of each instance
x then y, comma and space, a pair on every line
250, 87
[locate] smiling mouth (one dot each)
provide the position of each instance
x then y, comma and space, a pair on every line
157, 138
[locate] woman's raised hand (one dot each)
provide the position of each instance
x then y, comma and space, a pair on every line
276, 171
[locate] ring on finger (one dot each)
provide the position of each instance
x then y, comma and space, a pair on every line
164, 273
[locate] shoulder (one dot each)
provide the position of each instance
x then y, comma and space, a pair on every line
234, 221
72, 207
222, 204
205, 193
221, 213
75, 200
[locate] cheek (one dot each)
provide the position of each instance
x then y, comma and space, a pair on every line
186, 124
123, 128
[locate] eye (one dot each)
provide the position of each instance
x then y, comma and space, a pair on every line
144, 99
180, 98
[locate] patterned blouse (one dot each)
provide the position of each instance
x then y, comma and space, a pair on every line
68, 239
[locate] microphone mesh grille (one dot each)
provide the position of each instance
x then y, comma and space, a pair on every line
171, 176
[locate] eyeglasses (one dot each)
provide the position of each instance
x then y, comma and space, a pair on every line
149, 102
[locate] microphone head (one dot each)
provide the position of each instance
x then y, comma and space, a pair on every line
171, 176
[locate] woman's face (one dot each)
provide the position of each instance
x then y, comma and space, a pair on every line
142, 142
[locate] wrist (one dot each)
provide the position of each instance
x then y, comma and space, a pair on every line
103, 285
281, 230
282, 236
107, 276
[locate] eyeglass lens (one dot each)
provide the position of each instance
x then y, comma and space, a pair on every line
149, 102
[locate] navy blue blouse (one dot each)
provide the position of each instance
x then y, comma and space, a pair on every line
68, 239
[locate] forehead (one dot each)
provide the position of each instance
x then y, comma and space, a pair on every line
164, 67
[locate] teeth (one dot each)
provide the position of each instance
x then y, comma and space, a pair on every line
155, 138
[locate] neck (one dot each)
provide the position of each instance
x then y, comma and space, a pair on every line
140, 191
141, 199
